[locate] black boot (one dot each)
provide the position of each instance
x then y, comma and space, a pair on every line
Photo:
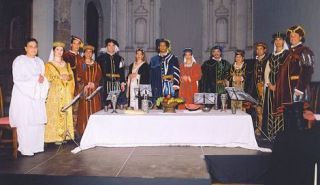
287, 118
299, 121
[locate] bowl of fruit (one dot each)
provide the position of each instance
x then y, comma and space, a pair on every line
169, 103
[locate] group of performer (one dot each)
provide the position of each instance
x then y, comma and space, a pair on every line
278, 81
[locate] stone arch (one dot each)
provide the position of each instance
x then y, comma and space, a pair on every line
94, 5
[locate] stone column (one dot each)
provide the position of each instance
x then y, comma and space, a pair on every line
62, 21
233, 25
129, 20
205, 20
250, 27
241, 29
151, 26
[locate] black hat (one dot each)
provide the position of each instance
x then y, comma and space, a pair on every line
279, 35
217, 47
158, 41
108, 40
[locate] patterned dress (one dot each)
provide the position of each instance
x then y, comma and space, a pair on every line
60, 94
272, 124
237, 70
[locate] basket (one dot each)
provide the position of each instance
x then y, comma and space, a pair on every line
169, 108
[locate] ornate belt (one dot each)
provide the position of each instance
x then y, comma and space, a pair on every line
167, 77
294, 77
113, 75
220, 82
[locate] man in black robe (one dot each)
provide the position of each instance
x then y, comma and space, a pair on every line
215, 73
112, 66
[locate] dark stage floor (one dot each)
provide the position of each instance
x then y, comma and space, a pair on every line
142, 162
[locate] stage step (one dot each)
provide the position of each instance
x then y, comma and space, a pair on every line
23, 179
238, 169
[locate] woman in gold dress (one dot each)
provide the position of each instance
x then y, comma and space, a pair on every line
60, 77
237, 75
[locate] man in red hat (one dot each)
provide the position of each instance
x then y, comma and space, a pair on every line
73, 57
293, 79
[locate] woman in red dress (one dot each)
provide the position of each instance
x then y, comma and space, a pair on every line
190, 74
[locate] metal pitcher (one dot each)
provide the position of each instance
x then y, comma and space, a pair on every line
223, 102
146, 105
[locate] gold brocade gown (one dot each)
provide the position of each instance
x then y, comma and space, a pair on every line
237, 71
60, 94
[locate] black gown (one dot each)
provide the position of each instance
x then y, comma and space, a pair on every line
144, 72
273, 124
113, 74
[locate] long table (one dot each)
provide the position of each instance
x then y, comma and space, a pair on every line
184, 128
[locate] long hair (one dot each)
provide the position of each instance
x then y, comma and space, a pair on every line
143, 53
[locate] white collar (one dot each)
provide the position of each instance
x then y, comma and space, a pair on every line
293, 46
238, 67
163, 54
111, 54
189, 65
259, 58
219, 59
278, 53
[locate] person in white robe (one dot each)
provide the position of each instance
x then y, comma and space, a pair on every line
27, 110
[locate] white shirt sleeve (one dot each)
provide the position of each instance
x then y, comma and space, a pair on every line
266, 74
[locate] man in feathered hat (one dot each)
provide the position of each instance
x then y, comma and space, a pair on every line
293, 78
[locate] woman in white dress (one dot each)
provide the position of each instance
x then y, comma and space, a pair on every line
27, 108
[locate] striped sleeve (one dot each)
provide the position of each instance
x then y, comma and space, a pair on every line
176, 72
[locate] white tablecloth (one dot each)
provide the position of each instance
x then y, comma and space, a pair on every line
184, 128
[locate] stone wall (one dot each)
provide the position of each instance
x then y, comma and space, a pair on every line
188, 23
138, 23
